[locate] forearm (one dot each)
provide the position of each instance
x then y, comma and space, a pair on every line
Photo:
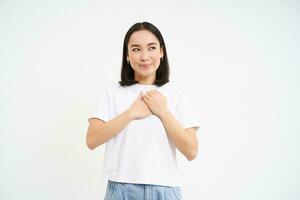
109, 129
184, 142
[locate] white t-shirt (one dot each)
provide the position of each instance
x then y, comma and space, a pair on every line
141, 152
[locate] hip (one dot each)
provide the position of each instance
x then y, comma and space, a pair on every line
124, 191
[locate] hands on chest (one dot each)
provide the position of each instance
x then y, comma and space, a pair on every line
151, 102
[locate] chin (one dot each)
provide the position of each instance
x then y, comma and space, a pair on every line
148, 73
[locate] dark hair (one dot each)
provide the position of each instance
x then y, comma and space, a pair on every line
162, 72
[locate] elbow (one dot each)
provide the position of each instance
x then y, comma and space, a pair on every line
192, 155
91, 147
90, 144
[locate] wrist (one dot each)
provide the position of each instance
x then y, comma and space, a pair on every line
129, 114
165, 113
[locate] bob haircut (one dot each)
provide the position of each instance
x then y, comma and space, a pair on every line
162, 72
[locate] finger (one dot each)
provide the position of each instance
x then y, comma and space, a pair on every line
146, 96
146, 99
153, 92
157, 92
150, 93
140, 95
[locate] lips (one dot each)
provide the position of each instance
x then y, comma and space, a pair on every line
145, 65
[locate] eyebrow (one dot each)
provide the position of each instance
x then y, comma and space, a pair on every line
136, 45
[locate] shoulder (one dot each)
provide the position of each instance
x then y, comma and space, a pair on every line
111, 86
173, 89
107, 89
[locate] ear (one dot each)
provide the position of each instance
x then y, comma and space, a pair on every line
161, 52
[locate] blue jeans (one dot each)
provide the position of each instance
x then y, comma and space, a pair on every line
129, 191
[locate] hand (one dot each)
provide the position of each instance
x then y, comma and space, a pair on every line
156, 101
139, 109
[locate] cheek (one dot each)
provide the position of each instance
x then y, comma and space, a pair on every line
133, 58
155, 58
133, 55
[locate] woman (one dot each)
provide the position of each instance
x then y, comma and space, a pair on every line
143, 119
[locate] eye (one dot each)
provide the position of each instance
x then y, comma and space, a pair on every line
153, 47
135, 49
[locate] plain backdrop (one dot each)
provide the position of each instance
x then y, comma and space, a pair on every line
238, 62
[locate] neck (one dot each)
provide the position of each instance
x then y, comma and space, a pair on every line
146, 80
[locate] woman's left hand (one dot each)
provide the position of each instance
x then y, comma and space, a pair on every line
156, 101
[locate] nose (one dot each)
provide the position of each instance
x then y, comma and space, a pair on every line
144, 56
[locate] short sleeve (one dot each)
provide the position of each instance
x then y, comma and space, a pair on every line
101, 107
185, 114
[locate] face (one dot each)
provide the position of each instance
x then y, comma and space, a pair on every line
144, 53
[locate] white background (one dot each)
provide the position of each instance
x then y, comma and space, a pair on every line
238, 60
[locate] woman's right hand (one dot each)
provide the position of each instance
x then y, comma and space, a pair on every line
139, 108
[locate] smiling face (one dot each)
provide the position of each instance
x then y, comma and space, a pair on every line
144, 54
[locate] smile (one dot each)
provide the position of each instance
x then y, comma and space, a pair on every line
145, 66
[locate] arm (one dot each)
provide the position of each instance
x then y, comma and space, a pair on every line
100, 132
184, 139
